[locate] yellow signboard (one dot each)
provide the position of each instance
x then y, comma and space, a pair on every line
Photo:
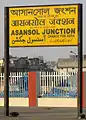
43, 26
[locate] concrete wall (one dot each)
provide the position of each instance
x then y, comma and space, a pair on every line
16, 102
42, 102
84, 90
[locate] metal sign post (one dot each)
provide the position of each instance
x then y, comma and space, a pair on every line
6, 63
80, 57
80, 63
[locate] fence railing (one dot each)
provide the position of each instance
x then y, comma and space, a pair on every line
58, 84
52, 84
18, 84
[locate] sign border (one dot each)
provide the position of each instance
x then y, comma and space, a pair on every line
8, 7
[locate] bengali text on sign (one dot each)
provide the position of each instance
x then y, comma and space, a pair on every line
43, 26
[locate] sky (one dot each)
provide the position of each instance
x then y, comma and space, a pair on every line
49, 53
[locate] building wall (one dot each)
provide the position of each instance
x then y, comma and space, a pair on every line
1, 63
69, 64
61, 70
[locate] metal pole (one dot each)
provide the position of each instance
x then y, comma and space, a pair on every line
81, 59
6, 62
74, 59
80, 63
75, 62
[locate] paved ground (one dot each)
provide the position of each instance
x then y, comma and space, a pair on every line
42, 113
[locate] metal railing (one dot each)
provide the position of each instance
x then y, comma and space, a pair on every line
18, 86
58, 84
52, 84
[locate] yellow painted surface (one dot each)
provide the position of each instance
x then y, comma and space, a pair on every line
15, 102
43, 25
57, 102
42, 102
